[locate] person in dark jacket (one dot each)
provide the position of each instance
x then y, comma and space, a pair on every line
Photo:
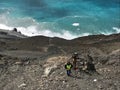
75, 57
68, 67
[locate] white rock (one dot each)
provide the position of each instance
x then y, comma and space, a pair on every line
22, 85
95, 80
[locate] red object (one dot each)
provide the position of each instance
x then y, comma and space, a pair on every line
75, 68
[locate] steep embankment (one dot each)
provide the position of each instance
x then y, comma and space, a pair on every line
37, 63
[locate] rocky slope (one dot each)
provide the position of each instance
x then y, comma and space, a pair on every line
37, 63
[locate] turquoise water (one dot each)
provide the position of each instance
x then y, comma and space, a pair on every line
63, 18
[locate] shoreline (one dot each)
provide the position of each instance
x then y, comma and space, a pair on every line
21, 35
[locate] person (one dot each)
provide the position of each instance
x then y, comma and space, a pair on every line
75, 57
68, 67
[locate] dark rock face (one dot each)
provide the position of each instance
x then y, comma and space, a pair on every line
1, 55
3, 33
91, 67
2, 43
15, 29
